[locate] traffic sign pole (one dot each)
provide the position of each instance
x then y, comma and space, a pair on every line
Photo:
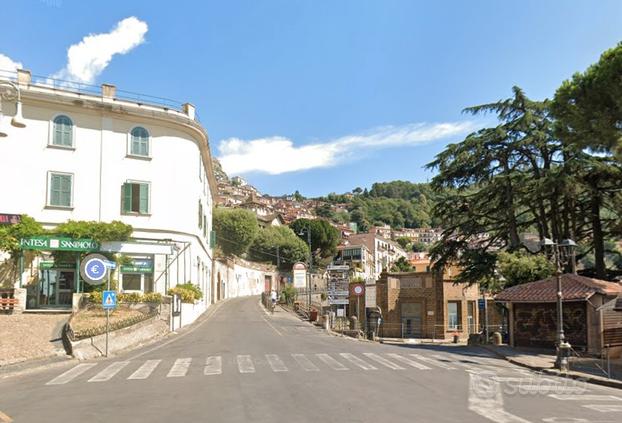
107, 314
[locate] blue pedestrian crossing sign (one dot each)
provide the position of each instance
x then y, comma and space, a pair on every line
109, 299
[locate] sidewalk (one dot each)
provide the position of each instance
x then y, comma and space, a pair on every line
544, 361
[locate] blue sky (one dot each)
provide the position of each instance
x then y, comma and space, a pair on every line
321, 95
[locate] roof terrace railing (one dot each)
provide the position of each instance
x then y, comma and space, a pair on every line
96, 90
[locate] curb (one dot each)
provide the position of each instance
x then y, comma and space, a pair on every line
584, 377
33, 365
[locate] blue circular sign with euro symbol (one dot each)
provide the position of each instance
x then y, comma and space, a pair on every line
93, 269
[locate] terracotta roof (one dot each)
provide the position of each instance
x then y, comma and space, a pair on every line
574, 288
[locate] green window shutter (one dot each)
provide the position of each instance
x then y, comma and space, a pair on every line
54, 190
66, 190
212, 239
63, 131
144, 199
127, 198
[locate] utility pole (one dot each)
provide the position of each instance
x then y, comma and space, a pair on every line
278, 258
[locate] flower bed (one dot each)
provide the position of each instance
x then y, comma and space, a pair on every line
91, 321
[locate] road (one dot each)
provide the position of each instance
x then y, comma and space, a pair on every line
241, 364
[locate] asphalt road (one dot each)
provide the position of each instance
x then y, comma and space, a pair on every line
241, 364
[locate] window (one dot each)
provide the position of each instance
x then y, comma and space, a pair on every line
453, 315
200, 215
60, 185
139, 142
136, 197
62, 133
132, 282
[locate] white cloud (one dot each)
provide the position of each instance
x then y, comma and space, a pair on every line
276, 155
87, 59
7, 64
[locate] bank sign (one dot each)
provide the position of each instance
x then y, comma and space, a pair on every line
58, 244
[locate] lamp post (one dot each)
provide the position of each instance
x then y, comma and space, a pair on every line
10, 92
307, 229
562, 253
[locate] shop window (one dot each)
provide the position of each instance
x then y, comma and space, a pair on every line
60, 187
62, 134
139, 142
131, 282
136, 197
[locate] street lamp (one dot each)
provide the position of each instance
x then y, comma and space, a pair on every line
307, 229
562, 253
10, 92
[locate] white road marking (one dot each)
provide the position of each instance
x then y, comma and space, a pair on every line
586, 397
527, 380
273, 328
180, 367
4, 418
109, 372
71, 374
605, 408
213, 365
331, 362
276, 363
245, 364
486, 400
305, 363
409, 362
432, 361
383, 361
357, 361
145, 370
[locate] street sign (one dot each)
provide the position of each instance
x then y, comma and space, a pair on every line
481, 303
357, 289
109, 300
300, 275
110, 264
93, 269
339, 301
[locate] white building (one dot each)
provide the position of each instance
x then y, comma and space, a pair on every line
87, 155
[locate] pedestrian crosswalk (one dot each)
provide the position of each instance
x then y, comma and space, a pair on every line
246, 364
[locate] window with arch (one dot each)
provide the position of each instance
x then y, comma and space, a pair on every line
139, 142
62, 133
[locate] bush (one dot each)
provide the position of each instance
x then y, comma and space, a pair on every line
289, 294
152, 297
188, 292
95, 297
132, 297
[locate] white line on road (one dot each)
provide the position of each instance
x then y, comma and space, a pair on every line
245, 364
432, 361
357, 361
109, 372
383, 361
276, 363
331, 362
486, 400
213, 366
605, 408
270, 324
409, 362
305, 363
145, 370
180, 367
585, 397
71, 374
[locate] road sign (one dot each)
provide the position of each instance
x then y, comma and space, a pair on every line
110, 264
339, 301
481, 303
94, 269
357, 289
109, 300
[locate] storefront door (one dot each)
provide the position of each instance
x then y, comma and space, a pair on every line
56, 287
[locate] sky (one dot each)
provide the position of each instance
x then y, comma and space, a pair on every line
317, 96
